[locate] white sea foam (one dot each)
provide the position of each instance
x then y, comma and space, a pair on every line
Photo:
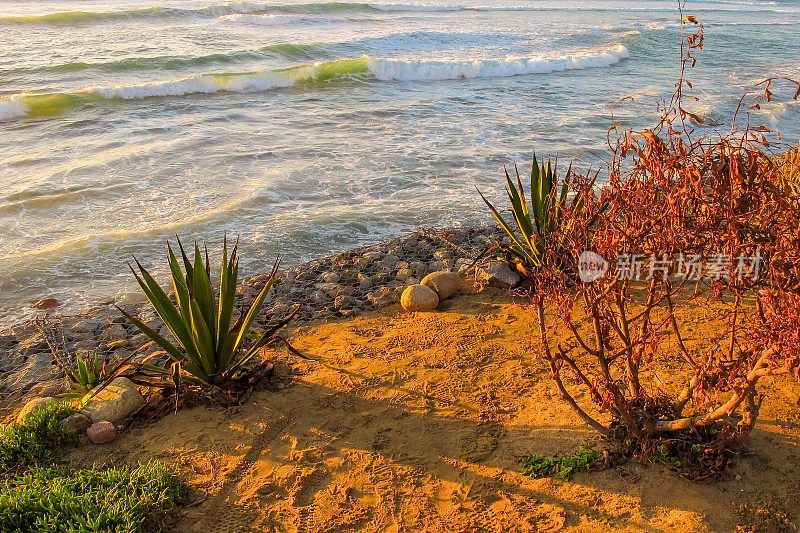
261, 20
255, 81
423, 70
415, 7
11, 108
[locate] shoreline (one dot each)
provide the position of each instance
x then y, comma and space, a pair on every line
335, 286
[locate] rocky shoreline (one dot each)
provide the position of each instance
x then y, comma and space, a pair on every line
337, 286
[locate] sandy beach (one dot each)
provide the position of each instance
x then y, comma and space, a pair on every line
415, 422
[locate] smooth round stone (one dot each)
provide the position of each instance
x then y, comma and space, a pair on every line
419, 298
101, 432
443, 282
118, 400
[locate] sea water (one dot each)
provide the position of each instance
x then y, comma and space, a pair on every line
309, 128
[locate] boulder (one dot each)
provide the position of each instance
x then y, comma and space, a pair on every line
443, 282
319, 297
497, 274
51, 385
331, 277
390, 260
343, 302
101, 432
383, 296
34, 404
361, 262
115, 402
419, 298
418, 267
77, 423
443, 254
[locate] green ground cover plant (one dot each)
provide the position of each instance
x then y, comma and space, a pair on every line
36, 494
33, 441
562, 466
55, 499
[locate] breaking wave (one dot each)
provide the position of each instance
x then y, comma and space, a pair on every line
381, 69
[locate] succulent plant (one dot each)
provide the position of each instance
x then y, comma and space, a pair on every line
206, 346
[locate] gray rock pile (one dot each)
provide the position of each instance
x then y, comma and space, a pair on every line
337, 286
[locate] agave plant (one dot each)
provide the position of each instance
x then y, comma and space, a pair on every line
87, 373
207, 347
538, 222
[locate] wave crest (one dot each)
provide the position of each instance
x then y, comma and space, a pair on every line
261, 20
425, 70
382, 69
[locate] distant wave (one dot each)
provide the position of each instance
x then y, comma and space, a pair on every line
14, 107
298, 51
382, 69
235, 9
262, 20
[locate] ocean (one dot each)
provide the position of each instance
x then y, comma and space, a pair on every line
310, 128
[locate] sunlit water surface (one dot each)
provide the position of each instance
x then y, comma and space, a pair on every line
308, 128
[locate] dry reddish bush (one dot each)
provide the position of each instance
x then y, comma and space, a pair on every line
678, 200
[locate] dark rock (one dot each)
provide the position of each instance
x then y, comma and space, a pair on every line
7, 341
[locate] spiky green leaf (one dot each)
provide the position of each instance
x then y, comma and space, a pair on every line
203, 295
172, 351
